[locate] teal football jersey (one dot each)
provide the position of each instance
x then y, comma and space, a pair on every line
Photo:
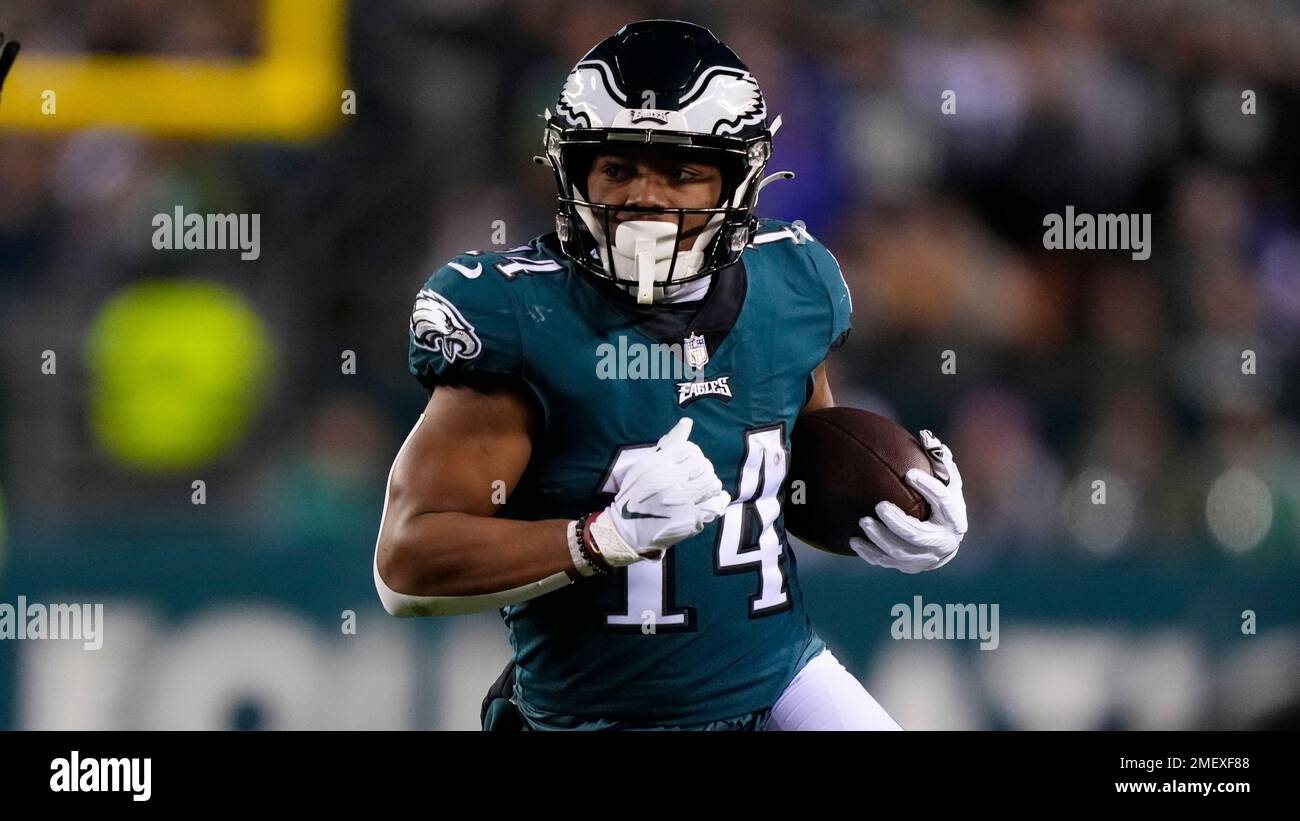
718, 627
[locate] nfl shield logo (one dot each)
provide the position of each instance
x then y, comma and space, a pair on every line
697, 353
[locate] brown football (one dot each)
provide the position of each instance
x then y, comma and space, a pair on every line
848, 461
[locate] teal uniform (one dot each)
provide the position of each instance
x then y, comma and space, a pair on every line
714, 632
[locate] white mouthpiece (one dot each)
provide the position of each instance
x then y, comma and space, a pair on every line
645, 269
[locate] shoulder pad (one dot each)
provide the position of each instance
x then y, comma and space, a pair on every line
464, 321
822, 265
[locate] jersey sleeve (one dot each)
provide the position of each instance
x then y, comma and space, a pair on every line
463, 323
837, 291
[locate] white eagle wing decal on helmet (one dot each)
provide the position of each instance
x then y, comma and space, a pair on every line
589, 99
724, 101
436, 325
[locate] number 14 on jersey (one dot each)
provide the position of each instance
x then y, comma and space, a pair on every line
649, 590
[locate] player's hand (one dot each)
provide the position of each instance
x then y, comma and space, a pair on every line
906, 543
666, 496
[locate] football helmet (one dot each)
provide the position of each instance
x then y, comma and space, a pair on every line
669, 83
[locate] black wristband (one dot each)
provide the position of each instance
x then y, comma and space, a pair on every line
591, 556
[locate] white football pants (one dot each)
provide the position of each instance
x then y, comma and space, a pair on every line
825, 696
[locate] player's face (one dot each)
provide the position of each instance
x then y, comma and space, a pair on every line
650, 177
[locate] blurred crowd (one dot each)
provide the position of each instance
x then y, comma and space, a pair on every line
1171, 381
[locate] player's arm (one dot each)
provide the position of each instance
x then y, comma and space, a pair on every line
438, 540
441, 552
821, 393
894, 539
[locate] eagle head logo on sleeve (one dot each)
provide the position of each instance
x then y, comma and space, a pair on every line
437, 326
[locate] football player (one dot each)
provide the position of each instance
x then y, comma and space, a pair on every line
629, 528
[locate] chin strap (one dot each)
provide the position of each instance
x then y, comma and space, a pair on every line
642, 252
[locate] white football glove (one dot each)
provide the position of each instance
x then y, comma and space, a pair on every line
666, 496
906, 543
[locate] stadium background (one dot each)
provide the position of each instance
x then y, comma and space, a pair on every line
1072, 366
